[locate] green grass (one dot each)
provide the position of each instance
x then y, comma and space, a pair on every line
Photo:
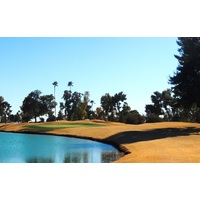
51, 127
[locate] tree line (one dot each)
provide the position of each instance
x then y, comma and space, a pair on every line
74, 106
181, 102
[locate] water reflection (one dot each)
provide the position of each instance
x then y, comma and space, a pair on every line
29, 148
76, 158
106, 157
40, 160
110, 156
85, 157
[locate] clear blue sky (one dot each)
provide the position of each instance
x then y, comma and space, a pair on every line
138, 66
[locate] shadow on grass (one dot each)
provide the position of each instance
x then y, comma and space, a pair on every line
3, 125
52, 127
139, 136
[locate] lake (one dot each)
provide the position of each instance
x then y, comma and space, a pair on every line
32, 148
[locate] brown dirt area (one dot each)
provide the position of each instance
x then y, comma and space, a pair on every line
165, 142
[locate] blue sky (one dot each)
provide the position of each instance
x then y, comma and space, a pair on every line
138, 66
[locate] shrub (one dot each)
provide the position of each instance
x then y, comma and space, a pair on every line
133, 117
153, 118
51, 119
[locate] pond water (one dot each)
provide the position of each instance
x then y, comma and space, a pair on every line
30, 148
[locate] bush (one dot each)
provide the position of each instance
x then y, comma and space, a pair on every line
133, 117
51, 119
153, 118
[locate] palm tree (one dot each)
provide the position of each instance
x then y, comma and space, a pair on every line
70, 84
55, 84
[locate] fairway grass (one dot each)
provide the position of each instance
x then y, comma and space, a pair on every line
50, 127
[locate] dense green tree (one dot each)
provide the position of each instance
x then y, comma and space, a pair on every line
168, 104
89, 110
15, 118
163, 104
124, 113
99, 113
107, 104
170, 109
5, 110
1, 105
35, 105
71, 102
66, 106
84, 107
186, 79
48, 103
191, 114
150, 109
133, 117
31, 106
76, 105
118, 99
114, 107
80, 112
156, 99
62, 108
60, 115
90, 113
155, 110
153, 118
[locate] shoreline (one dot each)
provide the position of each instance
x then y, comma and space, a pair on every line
164, 142
122, 149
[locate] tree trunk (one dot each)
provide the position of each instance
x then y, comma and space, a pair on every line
5, 119
35, 119
55, 98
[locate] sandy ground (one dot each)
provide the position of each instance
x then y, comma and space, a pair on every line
167, 142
